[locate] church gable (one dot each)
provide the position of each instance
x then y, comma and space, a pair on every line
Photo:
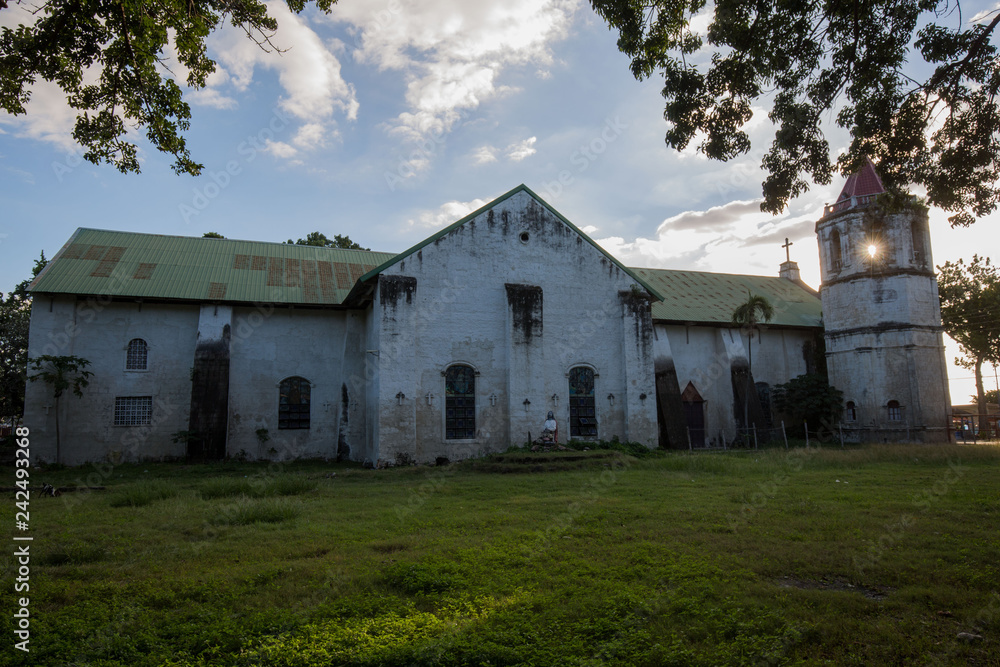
520, 217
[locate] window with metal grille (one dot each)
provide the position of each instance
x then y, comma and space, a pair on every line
133, 410
460, 403
293, 403
136, 355
895, 411
851, 412
582, 411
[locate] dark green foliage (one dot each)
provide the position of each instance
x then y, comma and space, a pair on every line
320, 240
15, 316
970, 313
863, 62
809, 398
212, 235
126, 42
60, 372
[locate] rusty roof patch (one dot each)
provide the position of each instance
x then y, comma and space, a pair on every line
326, 285
95, 252
292, 277
108, 262
258, 263
275, 268
310, 293
241, 261
217, 290
144, 271
358, 270
75, 251
343, 280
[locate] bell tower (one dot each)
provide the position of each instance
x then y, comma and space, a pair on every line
882, 315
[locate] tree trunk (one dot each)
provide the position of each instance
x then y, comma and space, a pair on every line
984, 420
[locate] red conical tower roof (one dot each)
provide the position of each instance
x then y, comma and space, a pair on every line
863, 182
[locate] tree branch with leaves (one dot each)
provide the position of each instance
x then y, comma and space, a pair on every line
970, 313
61, 373
854, 61
110, 60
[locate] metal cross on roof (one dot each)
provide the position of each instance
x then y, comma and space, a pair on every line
786, 246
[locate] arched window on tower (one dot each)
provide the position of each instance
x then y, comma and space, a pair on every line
836, 254
851, 412
136, 355
460, 402
919, 243
895, 411
293, 403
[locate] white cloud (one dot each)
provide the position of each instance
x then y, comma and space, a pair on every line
48, 117
719, 238
522, 149
447, 213
280, 149
315, 91
589, 229
452, 51
485, 155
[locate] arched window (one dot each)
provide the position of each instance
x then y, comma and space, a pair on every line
919, 245
895, 411
836, 256
582, 412
293, 403
851, 411
136, 355
460, 402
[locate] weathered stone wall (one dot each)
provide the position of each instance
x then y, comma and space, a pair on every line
706, 355
522, 298
270, 344
99, 330
883, 321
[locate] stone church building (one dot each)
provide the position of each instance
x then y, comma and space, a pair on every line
213, 348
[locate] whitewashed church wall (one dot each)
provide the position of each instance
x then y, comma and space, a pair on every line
704, 356
460, 314
99, 331
271, 344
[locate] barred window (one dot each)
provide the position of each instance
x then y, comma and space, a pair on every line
293, 403
135, 357
133, 410
460, 403
895, 411
851, 411
582, 409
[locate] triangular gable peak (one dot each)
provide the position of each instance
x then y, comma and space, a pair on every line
691, 394
362, 290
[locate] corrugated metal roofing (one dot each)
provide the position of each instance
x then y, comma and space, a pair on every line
99, 262
127, 264
710, 298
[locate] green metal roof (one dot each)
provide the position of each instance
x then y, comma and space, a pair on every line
521, 188
710, 298
154, 266
127, 264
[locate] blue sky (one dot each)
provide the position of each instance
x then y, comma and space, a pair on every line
389, 119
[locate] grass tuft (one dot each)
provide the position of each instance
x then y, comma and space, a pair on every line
140, 495
246, 511
256, 487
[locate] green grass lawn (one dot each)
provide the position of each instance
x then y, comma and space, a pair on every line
863, 556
